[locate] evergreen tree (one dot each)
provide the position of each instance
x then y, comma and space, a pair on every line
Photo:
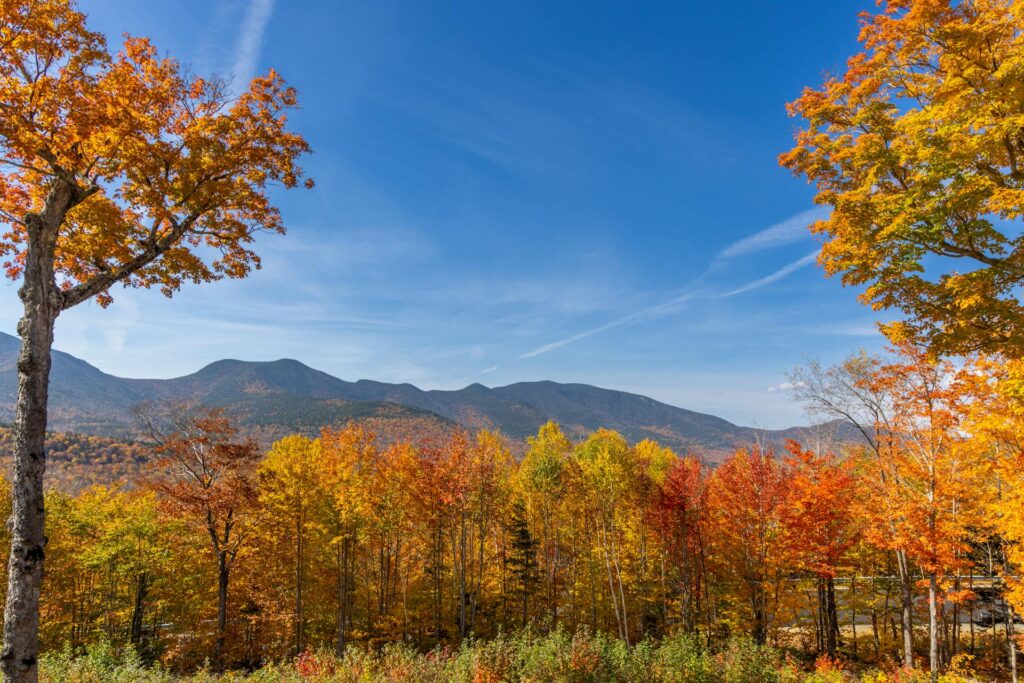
523, 558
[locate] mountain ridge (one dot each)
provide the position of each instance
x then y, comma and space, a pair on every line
274, 397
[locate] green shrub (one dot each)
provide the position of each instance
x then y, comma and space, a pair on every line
523, 657
682, 659
101, 663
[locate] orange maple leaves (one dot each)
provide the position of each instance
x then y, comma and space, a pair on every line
172, 171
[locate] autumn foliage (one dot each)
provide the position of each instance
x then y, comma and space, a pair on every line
162, 162
342, 542
897, 542
918, 148
116, 168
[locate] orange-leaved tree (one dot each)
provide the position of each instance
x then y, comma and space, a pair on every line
918, 147
931, 474
995, 422
206, 477
820, 527
746, 512
115, 168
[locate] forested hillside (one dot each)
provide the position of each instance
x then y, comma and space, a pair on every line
75, 461
275, 398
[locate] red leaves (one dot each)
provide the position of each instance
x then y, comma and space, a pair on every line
820, 525
205, 476
678, 510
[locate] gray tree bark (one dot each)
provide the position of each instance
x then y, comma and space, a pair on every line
42, 302
907, 609
138, 612
339, 646
933, 626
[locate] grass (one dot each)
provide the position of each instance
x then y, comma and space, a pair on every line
521, 657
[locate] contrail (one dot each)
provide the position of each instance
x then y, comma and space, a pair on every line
250, 40
776, 276
779, 234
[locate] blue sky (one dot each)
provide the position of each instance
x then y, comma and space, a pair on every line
573, 191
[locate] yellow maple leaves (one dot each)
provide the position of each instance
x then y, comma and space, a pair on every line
919, 149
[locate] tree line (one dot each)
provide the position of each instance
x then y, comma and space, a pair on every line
898, 544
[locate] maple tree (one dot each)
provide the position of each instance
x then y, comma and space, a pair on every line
111, 571
544, 476
848, 391
348, 461
746, 497
923, 470
995, 421
918, 149
117, 168
679, 515
930, 475
205, 476
820, 527
289, 490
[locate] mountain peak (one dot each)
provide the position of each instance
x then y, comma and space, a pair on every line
275, 397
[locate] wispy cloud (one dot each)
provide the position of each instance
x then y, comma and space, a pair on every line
576, 337
250, 40
788, 231
785, 386
847, 329
779, 234
487, 371
656, 311
776, 276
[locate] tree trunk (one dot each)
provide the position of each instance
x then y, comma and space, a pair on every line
907, 611
973, 600
933, 626
526, 599
223, 573
820, 625
759, 607
478, 590
831, 618
1011, 643
853, 613
874, 631
462, 577
339, 646
41, 300
141, 589
298, 582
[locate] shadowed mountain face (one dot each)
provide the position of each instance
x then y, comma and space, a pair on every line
277, 397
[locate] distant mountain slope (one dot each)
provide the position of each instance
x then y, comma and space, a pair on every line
226, 381
277, 397
80, 394
583, 408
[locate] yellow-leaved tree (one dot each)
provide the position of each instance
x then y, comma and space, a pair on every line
918, 148
290, 495
115, 168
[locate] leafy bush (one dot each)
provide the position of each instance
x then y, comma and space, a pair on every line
101, 663
522, 657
